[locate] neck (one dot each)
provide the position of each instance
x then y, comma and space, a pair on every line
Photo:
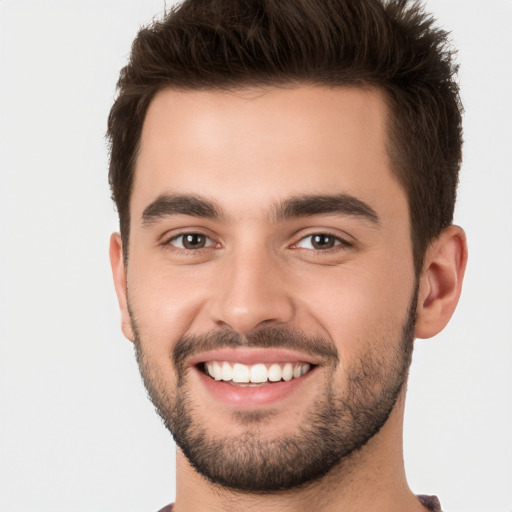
372, 479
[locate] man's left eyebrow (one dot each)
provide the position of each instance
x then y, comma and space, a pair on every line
309, 205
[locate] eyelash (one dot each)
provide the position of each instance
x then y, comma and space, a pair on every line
339, 243
184, 250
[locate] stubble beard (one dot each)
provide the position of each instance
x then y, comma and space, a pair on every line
339, 424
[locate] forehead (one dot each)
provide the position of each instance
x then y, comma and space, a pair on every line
258, 146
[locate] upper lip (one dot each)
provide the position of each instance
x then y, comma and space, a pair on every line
254, 355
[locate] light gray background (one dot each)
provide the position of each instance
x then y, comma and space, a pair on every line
76, 430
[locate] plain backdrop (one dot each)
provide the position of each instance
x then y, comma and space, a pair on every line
77, 433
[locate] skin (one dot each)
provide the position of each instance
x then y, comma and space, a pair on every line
247, 151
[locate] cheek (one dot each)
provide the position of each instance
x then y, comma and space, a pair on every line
163, 303
356, 307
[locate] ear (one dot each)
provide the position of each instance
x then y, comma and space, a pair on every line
119, 275
441, 281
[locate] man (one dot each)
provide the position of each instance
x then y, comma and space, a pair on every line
285, 175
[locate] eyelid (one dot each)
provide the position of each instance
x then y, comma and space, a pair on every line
341, 241
209, 242
167, 239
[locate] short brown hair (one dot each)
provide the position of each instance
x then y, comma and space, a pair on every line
231, 44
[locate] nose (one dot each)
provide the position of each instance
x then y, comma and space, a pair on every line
251, 294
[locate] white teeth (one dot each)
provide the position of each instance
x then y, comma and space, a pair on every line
217, 371
240, 373
288, 372
227, 371
257, 373
275, 373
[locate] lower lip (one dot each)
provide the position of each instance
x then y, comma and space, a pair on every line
246, 397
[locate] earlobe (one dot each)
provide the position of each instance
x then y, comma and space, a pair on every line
119, 275
441, 281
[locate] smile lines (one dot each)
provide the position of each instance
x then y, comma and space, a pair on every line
257, 373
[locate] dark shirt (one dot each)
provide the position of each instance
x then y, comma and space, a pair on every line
431, 502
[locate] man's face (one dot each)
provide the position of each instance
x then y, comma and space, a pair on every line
269, 244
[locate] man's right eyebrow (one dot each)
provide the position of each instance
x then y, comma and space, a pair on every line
179, 204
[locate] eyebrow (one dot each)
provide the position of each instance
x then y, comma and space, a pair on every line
310, 205
183, 204
295, 207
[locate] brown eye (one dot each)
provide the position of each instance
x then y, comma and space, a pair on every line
194, 241
191, 241
323, 241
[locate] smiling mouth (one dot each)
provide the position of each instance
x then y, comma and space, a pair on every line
260, 374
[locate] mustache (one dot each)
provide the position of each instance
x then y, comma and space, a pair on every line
272, 337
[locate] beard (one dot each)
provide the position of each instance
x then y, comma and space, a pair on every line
339, 424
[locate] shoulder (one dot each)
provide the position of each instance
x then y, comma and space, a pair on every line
431, 502
168, 508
